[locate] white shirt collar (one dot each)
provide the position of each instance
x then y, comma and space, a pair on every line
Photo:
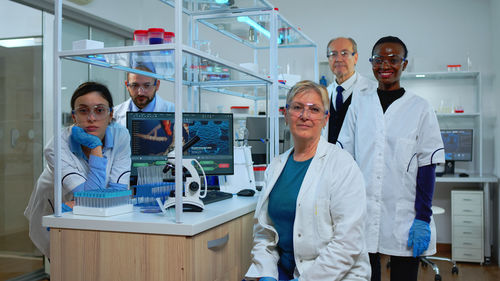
348, 86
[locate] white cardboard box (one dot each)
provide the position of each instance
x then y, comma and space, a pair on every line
87, 44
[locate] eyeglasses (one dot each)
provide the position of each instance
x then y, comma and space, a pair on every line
314, 111
99, 112
145, 87
343, 54
393, 60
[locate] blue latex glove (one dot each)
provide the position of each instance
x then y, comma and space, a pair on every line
79, 135
419, 237
117, 186
267, 279
65, 208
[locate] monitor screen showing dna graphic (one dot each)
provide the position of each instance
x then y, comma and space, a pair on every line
152, 138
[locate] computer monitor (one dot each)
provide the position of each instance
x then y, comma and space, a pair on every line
152, 138
457, 147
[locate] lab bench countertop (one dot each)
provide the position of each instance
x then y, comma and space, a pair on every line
193, 223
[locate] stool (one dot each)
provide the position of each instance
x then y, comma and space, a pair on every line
426, 260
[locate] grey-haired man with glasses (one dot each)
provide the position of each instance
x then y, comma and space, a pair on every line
342, 56
143, 97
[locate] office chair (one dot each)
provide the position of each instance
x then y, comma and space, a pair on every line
426, 260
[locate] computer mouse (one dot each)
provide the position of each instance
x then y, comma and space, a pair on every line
463, 175
246, 192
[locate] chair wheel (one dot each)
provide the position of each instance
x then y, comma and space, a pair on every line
454, 270
437, 277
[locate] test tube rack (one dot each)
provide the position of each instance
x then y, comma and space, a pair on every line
103, 203
146, 194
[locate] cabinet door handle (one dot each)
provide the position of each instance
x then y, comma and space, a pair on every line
467, 221
217, 243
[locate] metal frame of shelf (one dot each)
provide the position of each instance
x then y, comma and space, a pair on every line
272, 88
477, 116
275, 20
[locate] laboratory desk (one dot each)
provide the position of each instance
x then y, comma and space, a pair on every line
211, 245
484, 181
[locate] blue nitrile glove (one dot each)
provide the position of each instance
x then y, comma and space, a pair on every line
65, 208
117, 186
80, 136
267, 279
419, 237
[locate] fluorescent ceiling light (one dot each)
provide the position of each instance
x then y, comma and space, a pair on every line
255, 25
21, 42
420, 75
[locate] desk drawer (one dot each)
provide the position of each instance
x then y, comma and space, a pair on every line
467, 197
471, 221
468, 242
467, 254
467, 210
464, 231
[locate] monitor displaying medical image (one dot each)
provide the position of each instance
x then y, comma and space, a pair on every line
152, 138
457, 144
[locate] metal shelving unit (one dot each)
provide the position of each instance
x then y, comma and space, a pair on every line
447, 84
186, 61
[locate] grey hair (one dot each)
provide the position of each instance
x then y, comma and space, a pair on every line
354, 44
306, 85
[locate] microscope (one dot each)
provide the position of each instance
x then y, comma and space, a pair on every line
192, 183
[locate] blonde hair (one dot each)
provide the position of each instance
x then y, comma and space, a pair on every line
305, 85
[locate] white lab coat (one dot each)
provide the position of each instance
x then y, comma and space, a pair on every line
389, 148
360, 84
120, 111
328, 232
74, 172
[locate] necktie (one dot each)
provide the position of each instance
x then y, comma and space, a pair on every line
339, 101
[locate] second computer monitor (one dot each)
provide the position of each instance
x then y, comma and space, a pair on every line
457, 147
152, 138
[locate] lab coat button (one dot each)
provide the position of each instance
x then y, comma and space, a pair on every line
300, 235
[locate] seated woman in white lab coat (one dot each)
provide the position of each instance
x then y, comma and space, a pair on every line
310, 215
394, 137
95, 154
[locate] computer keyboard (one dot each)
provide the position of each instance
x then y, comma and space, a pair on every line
215, 196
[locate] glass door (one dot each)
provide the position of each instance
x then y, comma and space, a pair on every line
21, 133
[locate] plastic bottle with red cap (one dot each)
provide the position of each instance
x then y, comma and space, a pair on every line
141, 58
168, 37
155, 36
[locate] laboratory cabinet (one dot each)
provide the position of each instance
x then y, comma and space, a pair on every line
467, 226
211, 245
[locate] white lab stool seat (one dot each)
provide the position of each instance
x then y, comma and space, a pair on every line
426, 260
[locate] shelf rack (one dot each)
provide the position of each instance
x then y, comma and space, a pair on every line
250, 85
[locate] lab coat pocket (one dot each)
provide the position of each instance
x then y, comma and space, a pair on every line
323, 220
402, 223
405, 154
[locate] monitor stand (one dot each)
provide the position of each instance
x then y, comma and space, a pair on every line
449, 167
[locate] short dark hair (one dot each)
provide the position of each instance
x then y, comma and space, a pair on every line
390, 39
88, 87
143, 68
